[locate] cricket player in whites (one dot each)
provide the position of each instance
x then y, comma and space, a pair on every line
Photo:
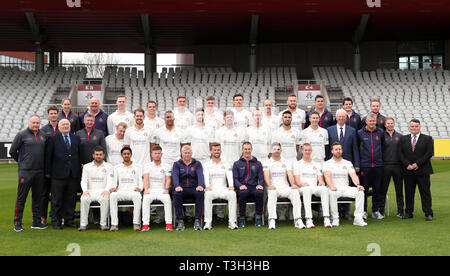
336, 172
157, 179
96, 181
277, 172
219, 184
308, 176
127, 185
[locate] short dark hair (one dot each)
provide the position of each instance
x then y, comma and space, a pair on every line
97, 149
213, 145
139, 110
314, 113
247, 143
347, 99
335, 144
237, 95
53, 107
318, 97
124, 149
415, 121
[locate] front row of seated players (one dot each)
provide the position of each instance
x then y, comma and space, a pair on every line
105, 184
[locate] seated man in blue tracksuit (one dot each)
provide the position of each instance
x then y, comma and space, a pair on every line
249, 181
187, 177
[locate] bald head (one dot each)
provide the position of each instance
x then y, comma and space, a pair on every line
94, 105
34, 123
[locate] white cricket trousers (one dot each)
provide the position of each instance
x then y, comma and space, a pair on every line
351, 192
86, 202
288, 192
220, 193
156, 194
123, 196
321, 191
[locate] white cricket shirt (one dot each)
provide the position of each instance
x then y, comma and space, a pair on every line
170, 141
339, 171
128, 178
199, 137
139, 141
218, 175
157, 175
278, 172
260, 139
308, 171
97, 179
288, 139
231, 141
183, 120
113, 148
318, 139
115, 118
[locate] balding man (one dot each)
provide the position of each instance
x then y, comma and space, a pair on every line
269, 120
28, 150
101, 118
63, 166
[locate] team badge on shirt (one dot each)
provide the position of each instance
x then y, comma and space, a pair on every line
95, 138
101, 119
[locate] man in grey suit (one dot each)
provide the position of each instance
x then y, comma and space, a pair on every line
345, 135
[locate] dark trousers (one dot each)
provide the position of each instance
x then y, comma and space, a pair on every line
33, 180
179, 197
423, 181
64, 192
394, 172
45, 197
371, 178
251, 192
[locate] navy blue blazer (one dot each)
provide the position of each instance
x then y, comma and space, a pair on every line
61, 163
350, 150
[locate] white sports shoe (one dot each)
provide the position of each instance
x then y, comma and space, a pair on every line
377, 215
335, 223
327, 223
359, 222
365, 215
299, 224
232, 225
310, 224
272, 224
207, 226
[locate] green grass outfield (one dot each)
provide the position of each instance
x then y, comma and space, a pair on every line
393, 235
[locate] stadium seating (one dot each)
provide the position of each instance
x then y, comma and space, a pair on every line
404, 94
196, 83
23, 94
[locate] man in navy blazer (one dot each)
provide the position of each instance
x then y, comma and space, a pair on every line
63, 167
350, 148
349, 140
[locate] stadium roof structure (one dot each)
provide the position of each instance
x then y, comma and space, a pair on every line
179, 25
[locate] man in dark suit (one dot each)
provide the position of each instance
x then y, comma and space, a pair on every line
63, 167
416, 150
350, 149
347, 139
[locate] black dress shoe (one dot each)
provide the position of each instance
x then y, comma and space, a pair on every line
408, 216
429, 218
57, 226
